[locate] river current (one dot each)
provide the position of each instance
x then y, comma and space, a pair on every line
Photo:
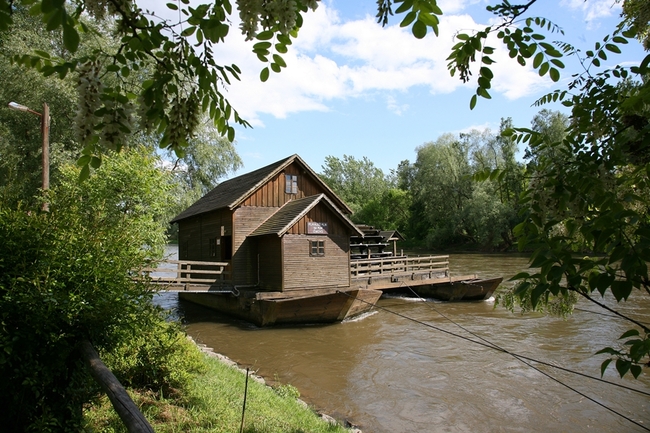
416, 367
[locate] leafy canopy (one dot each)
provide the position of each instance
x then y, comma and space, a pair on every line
65, 276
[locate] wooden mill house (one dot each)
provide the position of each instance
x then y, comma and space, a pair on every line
285, 236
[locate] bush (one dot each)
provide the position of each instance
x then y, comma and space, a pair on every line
65, 277
160, 358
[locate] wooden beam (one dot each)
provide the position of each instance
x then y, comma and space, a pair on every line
128, 412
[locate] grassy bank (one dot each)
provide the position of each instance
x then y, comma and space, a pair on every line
211, 401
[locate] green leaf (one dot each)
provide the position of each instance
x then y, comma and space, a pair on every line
54, 19
539, 58
85, 173
537, 293
613, 48
84, 160
188, 31
557, 63
519, 276
472, 102
408, 19
264, 74
604, 366
543, 69
264, 36
419, 29
172, 6
279, 60
622, 366
554, 74
406, 5
621, 289
486, 72
262, 46
629, 333
481, 91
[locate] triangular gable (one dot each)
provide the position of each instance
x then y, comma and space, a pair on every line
233, 192
289, 214
391, 235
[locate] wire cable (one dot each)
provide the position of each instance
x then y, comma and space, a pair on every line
485, 343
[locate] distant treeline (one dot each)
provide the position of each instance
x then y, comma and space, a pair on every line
445, 199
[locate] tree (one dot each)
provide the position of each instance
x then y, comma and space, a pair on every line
20, 137
448, 207
177, 75
442, 186
590, 194
389, 211
65, 276
357, 182
608, 137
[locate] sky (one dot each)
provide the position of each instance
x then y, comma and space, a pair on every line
353, 87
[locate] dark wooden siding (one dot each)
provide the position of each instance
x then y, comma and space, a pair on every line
273, 192
269, 249
322, 214
302, 271
244, 258
195, 234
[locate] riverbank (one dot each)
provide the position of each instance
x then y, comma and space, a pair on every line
213, 402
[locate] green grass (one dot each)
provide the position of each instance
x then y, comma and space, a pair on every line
211, 401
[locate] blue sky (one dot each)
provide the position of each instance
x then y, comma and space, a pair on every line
352, 87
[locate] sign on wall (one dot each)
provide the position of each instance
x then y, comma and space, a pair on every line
314, 228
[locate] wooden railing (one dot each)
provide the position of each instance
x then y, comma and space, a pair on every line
399, 266
180, 272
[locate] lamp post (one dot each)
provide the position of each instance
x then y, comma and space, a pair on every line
45, 133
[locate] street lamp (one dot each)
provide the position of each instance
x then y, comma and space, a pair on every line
45, 133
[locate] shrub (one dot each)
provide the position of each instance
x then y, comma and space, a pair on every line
64, 277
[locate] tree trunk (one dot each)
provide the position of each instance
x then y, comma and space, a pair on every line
128, 412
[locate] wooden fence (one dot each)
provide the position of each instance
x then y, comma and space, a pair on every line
399, 266
186, 272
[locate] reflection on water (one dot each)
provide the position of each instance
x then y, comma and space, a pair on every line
412, 366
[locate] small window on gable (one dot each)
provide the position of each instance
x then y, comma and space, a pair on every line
316, 248
291, 184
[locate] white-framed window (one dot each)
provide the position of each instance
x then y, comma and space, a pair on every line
316, 248
291, 184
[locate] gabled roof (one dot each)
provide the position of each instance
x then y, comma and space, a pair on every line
289, 214
233, 192
392, 235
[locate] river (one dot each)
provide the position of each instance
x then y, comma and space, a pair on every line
410, 366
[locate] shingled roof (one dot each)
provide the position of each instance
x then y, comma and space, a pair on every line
289, 214
233, 192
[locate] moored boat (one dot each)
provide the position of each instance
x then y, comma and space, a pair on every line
473, 289
264, 309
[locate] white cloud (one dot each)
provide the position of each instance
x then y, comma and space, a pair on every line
455, 6
335, 60
395, 107
594, 9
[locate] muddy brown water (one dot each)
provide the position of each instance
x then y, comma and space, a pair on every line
410, 369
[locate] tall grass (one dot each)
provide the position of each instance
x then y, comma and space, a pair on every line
211, 400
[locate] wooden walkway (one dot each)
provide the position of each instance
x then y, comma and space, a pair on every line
395, 272
376, 273
187, 275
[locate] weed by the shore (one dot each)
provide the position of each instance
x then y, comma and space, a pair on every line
212, 402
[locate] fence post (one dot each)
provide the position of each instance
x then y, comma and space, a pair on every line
128, 412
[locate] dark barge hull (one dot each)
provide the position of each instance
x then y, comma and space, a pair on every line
264, 309
464, 290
